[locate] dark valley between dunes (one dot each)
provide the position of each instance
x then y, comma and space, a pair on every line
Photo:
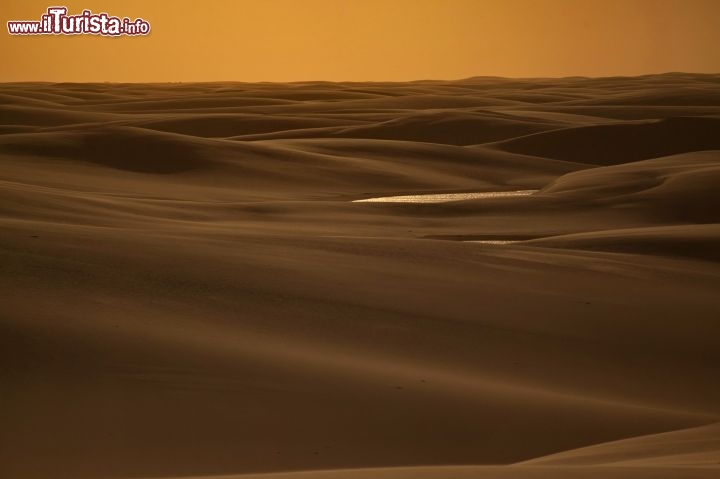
486, 278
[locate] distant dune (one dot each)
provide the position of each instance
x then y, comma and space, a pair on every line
189, 289
623, 142
449, 127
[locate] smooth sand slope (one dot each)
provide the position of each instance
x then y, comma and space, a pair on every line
189, 287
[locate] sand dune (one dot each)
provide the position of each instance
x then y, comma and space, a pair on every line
449, 127
224, 125
190, 287
688, 240
621, 143
698, 446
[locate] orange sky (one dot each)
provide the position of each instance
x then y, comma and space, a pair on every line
289, 40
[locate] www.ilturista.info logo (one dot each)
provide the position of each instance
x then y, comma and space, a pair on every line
57, 22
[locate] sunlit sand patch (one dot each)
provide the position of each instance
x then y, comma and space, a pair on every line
445, 197
494, 241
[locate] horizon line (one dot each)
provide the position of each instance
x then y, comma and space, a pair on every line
497, 77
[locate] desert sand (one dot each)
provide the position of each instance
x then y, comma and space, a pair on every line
189, 287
